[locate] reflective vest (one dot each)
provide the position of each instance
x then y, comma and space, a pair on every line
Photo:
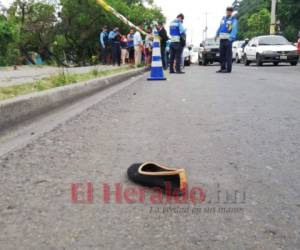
175, 31
226, 27
115, 39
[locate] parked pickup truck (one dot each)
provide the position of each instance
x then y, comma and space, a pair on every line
209, 52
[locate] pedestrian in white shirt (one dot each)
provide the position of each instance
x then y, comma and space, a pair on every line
138, 47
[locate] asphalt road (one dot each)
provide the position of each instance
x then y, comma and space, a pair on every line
234, 133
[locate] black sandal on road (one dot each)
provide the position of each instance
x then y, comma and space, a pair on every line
169, 180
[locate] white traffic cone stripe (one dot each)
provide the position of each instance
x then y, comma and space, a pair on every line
156, 52
156, 64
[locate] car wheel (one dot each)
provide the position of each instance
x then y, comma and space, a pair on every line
238, 60
258, 60
199, 61
294, 63
275, 63
246, 61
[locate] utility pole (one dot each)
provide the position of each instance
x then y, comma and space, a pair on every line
206, 28
273, 17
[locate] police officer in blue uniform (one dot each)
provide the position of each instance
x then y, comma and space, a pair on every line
227, 33
177, 33
104, 45
115, 39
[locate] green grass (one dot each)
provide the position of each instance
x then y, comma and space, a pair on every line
61, 79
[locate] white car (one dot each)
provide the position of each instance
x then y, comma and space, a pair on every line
195, 52
187, 55
238, 51
274, 49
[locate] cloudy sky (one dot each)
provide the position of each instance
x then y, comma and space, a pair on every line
6, 2
194, 11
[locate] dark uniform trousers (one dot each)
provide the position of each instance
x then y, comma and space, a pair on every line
175, 54
116, 53
163, 56
103, 55
226, 54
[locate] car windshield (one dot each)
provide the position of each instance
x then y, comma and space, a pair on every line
273, 40
240, 44
211, 42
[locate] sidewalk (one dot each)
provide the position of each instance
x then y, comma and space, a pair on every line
27, 74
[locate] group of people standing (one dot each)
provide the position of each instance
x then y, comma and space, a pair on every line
133, 49
117, 49
227, 33
114, 47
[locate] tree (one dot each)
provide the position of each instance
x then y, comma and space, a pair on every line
8, 52
249, 7
5, 38
243, 28
36, 22
259, 23
65, 30
81, 22
288, 12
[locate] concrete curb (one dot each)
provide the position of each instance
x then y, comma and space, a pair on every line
22, 108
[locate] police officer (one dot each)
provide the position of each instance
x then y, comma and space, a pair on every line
177, 31
163, 43
227, 33
115, 39
130, 45
104, 45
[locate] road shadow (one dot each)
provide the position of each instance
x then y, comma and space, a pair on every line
209, 65
271, 65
